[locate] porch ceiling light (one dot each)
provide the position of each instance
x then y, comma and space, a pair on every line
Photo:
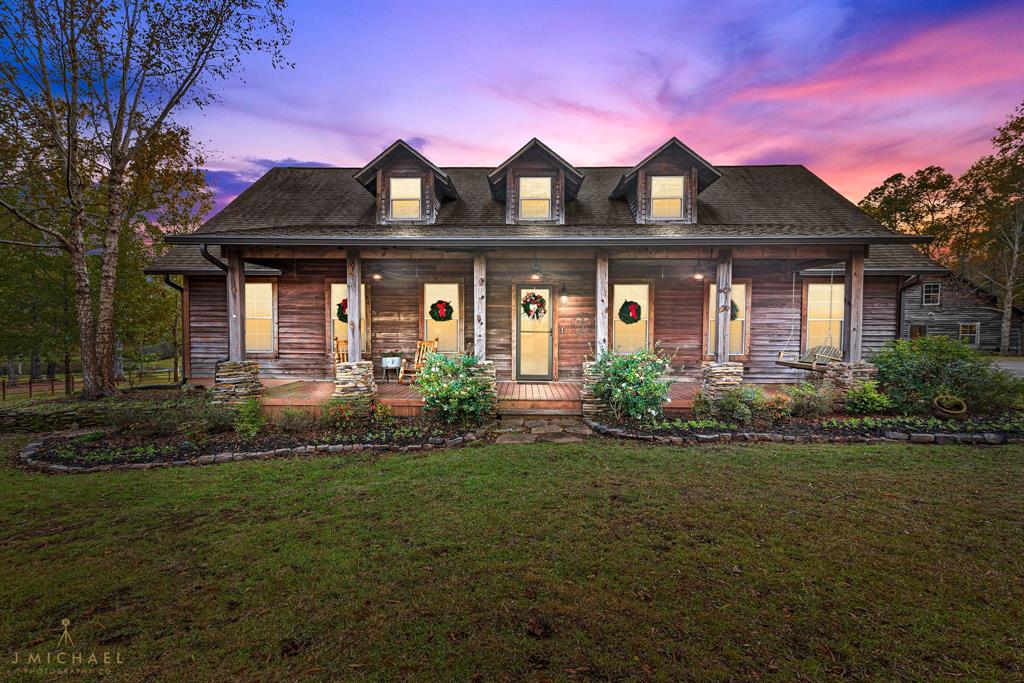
535, 274
563, 294
376, 276
698, 276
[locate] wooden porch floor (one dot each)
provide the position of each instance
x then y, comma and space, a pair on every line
514, 398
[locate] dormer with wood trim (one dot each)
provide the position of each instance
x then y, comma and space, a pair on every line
409, 188
535, 184
663, 188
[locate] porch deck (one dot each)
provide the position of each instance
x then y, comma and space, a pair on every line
514, 398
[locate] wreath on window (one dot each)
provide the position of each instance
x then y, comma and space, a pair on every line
734, 310
534, 306
630, 312
343, 311
441, 310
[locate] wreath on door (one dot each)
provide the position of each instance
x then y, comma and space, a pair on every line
534, 306
441, 311
630, 312
734, 310
343, 311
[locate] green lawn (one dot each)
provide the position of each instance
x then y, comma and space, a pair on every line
604, 560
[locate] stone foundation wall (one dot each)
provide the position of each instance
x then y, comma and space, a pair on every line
718, 378
235, 382
842, 377
486, 369
354, 385
592, 406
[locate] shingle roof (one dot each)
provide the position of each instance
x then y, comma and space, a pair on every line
188, 260
748, 203
899, 259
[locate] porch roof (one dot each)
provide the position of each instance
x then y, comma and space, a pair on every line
188, 260
747, 205
889, 259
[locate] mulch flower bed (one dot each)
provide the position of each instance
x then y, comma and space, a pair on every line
101, 450
1005, 428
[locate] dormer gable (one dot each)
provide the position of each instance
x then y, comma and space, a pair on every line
535, 183
409, 187
664, 186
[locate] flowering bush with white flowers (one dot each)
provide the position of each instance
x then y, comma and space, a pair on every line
631, 384
453, 389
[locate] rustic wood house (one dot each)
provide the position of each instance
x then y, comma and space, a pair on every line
536, 265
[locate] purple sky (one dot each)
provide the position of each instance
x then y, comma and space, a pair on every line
854, 90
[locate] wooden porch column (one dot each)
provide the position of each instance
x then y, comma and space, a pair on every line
479, 306
236, 306
355, 310
723, 312
853, 295
601, 302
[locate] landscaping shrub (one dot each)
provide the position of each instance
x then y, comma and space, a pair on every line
913, 372
452, 390
809, 399
294, 421
631, 384
248, 420
337, 415
746, 405
865, 397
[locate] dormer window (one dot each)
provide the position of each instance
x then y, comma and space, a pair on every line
667, 194
406, 196
534, 199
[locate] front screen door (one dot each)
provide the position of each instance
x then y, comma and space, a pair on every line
534, 348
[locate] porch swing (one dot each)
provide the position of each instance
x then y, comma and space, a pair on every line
815, 359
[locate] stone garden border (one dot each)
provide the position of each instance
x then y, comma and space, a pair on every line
27, 453
937, 438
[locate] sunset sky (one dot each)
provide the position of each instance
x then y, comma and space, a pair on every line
856, 91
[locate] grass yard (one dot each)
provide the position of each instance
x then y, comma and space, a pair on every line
604, 560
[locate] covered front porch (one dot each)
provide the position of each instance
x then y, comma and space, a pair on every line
514, 398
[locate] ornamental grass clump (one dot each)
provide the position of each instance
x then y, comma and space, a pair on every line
454, 391
631, 384
913, 372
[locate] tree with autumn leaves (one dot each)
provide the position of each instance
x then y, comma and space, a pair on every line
976, 220
92, 163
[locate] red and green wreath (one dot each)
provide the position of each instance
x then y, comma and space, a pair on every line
630, 312
534, 306
441, 310
343, 311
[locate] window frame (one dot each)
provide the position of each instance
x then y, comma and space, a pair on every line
391, 198
551, 196
461, 335
924, 294
650, 199
910, 330
264, 353
706, 341
977, 333
330, 316
613, 313
804, 320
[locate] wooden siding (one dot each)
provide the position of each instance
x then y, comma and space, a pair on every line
395, 311
958, 304
574, 324
880, 312
207, 323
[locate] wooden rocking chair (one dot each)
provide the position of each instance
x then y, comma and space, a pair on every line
814, 359
340, 350
423, 349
